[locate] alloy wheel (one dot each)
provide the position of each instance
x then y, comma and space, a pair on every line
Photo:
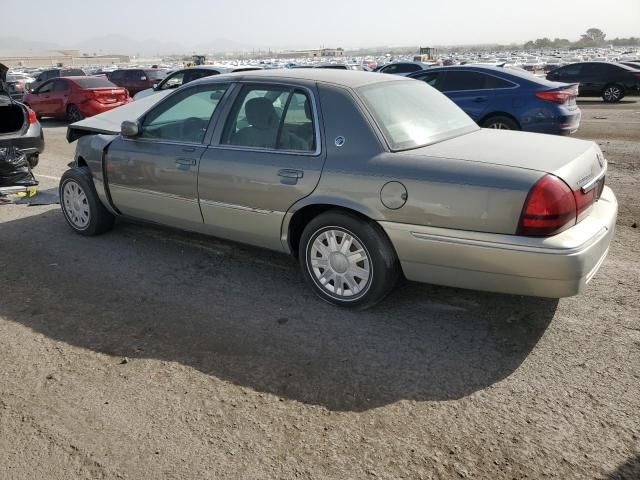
612, 94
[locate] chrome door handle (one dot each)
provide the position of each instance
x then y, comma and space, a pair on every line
186, 161
287, 173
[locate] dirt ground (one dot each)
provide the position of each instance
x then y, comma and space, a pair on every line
147, 353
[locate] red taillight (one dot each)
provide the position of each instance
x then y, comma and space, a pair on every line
32, 117
550, 208
556, 96
637, 75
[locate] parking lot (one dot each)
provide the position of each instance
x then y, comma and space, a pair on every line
151, 353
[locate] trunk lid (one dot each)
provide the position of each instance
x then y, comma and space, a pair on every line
577, 162
109, 95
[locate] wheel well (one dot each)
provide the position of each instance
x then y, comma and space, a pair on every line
303, 216
611, 84
81, 162
499, 114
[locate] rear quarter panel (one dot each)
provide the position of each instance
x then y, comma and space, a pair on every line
442, 192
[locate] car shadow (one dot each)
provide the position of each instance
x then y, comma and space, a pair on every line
53, 123
629, 470
243, 315
599, 101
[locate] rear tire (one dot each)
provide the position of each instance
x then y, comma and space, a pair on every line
74, 114
80, 204
347, 260
500, 122
613, 93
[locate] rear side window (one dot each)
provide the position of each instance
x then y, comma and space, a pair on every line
135, 75
496, 82
94, 82
72, 72
460, 81
155, 74
271, 117
572, 70
601, 69
60, 86
117, 75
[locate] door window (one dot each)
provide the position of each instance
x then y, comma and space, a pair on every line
185, 116
60, 86
495, 82
570, 70
135, 75
433, 79
117, 75
460, 81
173, 81
46, 88
271, 117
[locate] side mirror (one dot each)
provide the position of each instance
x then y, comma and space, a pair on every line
130, 129
155, 86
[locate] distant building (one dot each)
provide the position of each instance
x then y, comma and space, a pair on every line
317, 53
64, 58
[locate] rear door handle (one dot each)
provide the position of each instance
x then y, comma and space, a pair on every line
480, 99
287, 173
186, 161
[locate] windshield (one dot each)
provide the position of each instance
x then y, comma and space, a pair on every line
412, 114
156, 74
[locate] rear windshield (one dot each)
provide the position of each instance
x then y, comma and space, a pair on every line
412, 114
94, 82
72, 72
156, 74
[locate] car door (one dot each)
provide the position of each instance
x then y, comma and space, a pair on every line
265, 157
153, 176
40, 99
468, 90
593, 78
59, 96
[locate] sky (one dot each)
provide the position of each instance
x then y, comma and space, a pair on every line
330, 23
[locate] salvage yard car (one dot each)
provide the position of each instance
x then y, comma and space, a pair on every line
75, 98
19, 126
364, 177
507, 99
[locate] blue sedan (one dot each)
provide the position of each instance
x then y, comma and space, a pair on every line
509, 99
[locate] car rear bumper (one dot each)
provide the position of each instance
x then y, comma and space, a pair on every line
91, 107
558, 266
32, 142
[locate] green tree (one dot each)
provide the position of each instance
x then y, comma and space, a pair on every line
594, 35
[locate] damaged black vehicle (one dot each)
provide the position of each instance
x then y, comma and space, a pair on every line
21, 140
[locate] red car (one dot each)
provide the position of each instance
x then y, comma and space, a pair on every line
74, 98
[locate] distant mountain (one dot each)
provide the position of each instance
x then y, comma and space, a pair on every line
15, 46
122, 44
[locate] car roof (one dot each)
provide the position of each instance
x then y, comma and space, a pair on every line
499, 71
345, 78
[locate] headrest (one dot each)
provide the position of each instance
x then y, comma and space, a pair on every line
261, 114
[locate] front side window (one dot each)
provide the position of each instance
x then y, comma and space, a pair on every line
185, 116
135, 76
46, 88
411, 114
431, 79
271, 117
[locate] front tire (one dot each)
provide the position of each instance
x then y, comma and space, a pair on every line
82, 209
348, 261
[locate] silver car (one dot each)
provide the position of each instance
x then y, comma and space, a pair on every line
363, 177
